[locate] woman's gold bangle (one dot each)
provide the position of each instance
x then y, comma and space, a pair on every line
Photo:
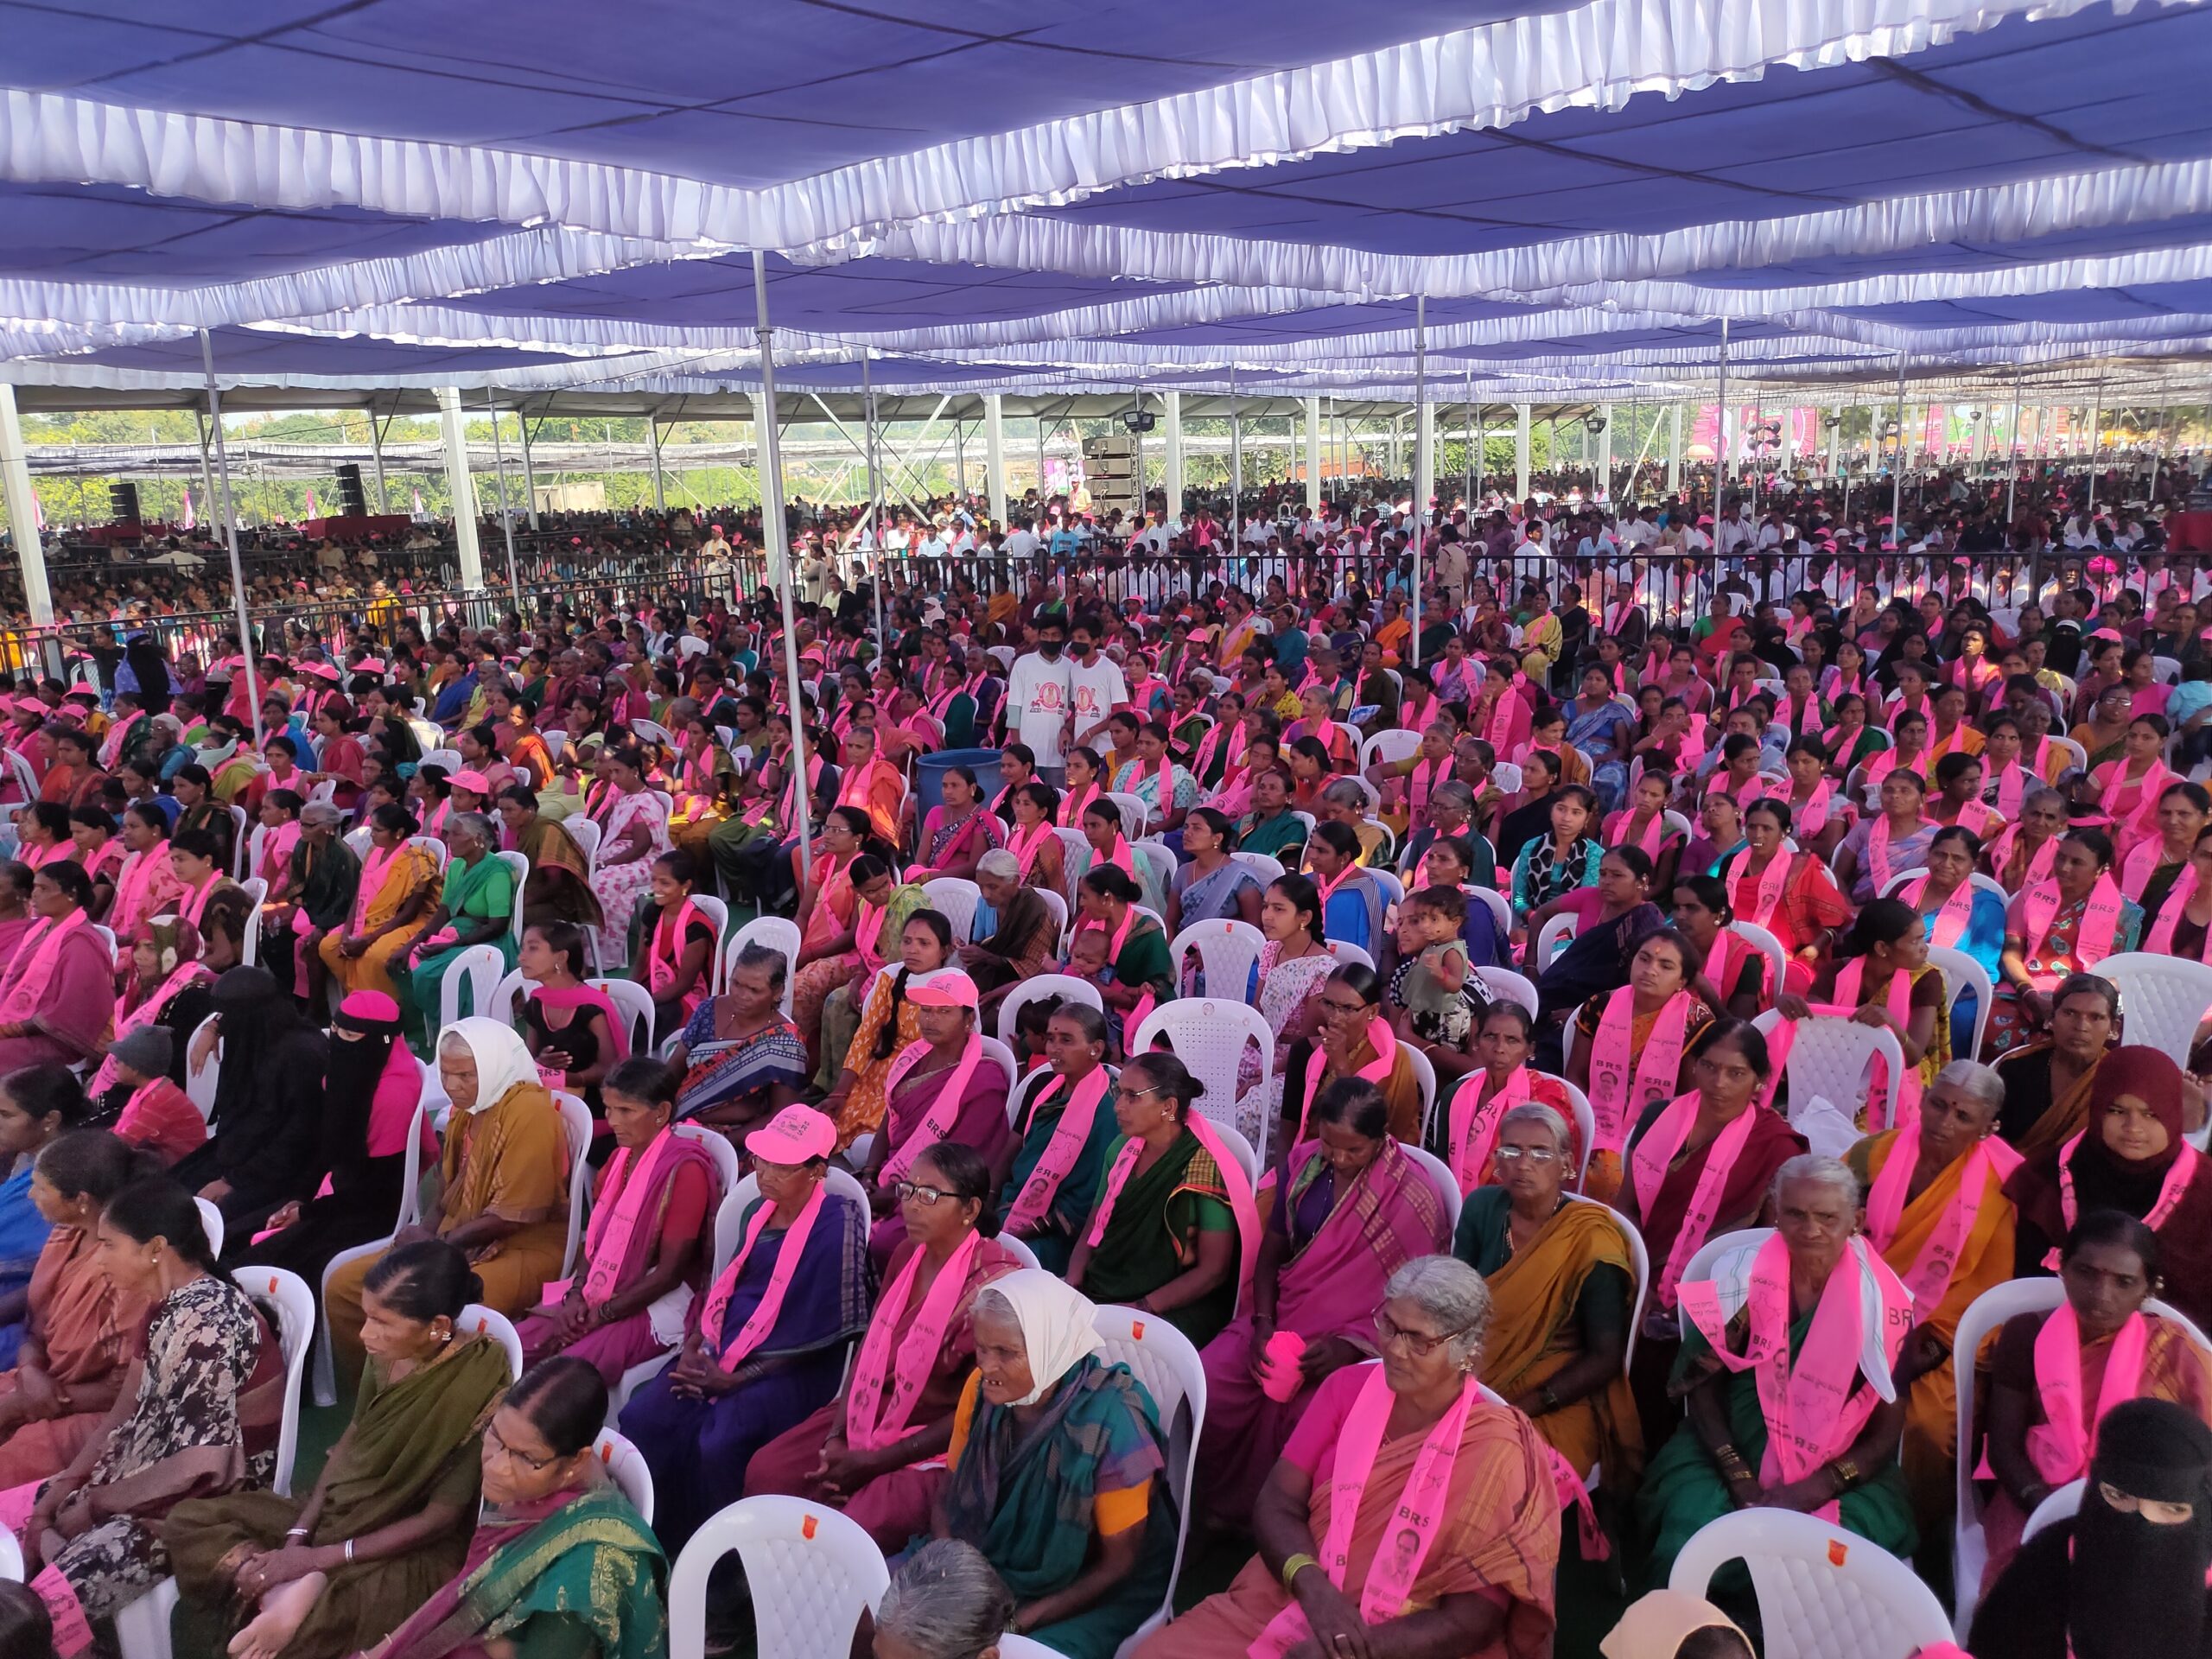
1291, 1568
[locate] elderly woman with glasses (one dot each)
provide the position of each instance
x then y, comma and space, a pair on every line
1403, 1487
476, 907
1820, 1438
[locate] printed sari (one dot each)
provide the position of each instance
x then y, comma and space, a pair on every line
1153, 1235
1345, 1241
408, 870
720, 1071
85, 1333
560, 877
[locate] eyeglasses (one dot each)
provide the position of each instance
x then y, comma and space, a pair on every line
903, 1191
1121, 1093
539, 1464
1390, 1334
1347, 1009
1534, 1155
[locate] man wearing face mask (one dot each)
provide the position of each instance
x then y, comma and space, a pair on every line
2126, 1578
1038, 699
1096, 690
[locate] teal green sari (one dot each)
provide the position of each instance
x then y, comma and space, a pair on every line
575, 1575
478, 892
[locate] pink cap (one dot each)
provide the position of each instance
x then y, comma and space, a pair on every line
369, 666
475, 782
797, 1134
948, 988
84, 689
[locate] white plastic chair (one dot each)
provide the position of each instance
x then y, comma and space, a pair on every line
774, 933
435, 846
507, 1000
1389, 747
1640, 1257
1501, 912
1553, 937
2077, 757
1209, 1034
520, 865
576, 1118
635, 1004
1506, 986
481, 967
200, 1081
1018, 1249
11, 1565
1440, 1175
720, 1147
1162, 1358
1708, 1256
1227, 951
627, 1467
288, 1294
1349, 954
256, 894
1424, 1070
211, 1222
1961, 974
1043, 989
1586, 1126
956, 899
1267, 867
448, 759
1246, 1154
2163, 1000
1830, 1057
812, 1572
585, 833
1823, 1593
477, 1320
2061, 1506
1133, 810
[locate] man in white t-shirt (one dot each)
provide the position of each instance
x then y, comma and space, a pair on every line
1094, 684
1022, 543
1038, 698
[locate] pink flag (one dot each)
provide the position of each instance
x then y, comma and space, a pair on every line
38, 513
311, 513
191, 518
418, 504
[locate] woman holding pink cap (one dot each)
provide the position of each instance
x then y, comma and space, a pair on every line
941, 1087
766, 1345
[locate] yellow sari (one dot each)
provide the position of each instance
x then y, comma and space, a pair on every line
411, 869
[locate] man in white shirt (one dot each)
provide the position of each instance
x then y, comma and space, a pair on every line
1038, 699
1022, 543
1095, 688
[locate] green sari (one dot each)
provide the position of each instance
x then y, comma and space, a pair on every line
482, 891
414, 1443
1682, 1489
1153, 1235
1070, 1211
573, 1574
1026, 1500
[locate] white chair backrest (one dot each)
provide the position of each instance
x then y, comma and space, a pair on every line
1777, 960
287, 1295
481, 967
1440, 1175
211, 1222
520, 865
12, 1570
1823, 1593
477, 1320
775, 933
1349, 954
1209, 1034
199, 1083
2061, 1505
1830, 1057
1267, 867
576, 1118
1133, 811
955, 897
448, 758
256, 894
627, 1467
1506, 986
1552, 937
585, 833
721, 1149
1700, 1265
1961, 974
1043, 989
2162, 999
435, 846
1388, 747
731, 1214
1162, 1358
1058, 904
812, 1569
507, 1000
635, 1004
1640, 1258
357, 841
1001, 1055
1394, 890
1585, 1124
1228, 953
1501, 912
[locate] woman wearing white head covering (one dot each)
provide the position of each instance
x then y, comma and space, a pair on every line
503, 1195
1054, 1461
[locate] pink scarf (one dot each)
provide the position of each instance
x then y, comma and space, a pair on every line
756, 1329
2177, 900
1069, 1135
1072, 806
1625, 1082
134, 892
145, 1014
2093, 939
880, 1402
665, 955
2060, 1446
944, 1111
1475, 1124
2171, 1190
1620, 831
32, 973
2039, 862
2140, 865
1990, 1162
1813, 816
1813, 1413
1877, 850
1955, 916
1420, 1509
1025, 845
1241, 1203
1654, 1154
607, 1240
1773, 882
2012, 789
2140, 818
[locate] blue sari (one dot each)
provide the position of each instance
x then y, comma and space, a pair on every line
23, 1235
1984, 940
1588, 733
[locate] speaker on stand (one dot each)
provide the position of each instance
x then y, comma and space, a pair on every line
123, 504
352, 502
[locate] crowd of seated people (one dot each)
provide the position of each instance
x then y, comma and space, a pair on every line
1520, 1247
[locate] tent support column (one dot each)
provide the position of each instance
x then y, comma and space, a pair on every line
1522, 415
772, 533
229, 509
462, 487
1236, 470
2096, 440
1896, 472
506, 518
874, 490
1605, 479
23, 514
207, 458
529, 471
995, 455
376, 457
652, 438
1041, 492
1674, 448
2013, 454
1474, 450
1313, 455
1170, 481
1723, 452
1424, 459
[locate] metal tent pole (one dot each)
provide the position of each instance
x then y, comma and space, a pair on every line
529, 471
2011, 454
874, 497
230, 532
208, 462
506, 518
1423, 461
1723, 459
772, 534
2096, 440
1897, 469
1235, 472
